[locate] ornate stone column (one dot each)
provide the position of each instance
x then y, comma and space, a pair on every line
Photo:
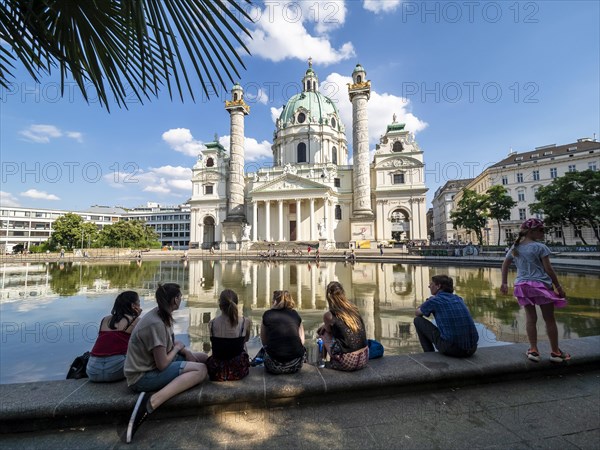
237, 109
359, 93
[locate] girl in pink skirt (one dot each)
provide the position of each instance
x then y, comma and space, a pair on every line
534, 286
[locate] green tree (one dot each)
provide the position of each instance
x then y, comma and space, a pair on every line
67, 231
499, 205
128, 233
573, 199
124, 46
471, 213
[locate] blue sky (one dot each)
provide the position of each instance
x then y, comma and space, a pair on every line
471, 79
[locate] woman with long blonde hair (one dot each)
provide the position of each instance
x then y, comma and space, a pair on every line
343, 331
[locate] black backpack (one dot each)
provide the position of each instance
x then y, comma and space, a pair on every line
78, 367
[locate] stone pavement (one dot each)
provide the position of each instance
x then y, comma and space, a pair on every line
496, 399
546, 411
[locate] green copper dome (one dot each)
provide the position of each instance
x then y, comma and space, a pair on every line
319, 108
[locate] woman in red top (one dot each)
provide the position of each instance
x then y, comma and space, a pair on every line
108, 355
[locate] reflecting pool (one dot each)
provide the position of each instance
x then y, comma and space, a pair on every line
50, 312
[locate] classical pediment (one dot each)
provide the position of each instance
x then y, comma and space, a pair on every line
289, 182
397, 162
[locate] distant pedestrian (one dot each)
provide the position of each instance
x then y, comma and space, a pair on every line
381, 249
62, 253
309, 249
534, 286
455, 333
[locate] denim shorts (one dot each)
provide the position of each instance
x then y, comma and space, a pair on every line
155, 380
102, 369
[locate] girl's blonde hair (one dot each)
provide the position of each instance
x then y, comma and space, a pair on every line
341, 307
283, 300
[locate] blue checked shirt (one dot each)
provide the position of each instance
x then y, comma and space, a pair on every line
452, 319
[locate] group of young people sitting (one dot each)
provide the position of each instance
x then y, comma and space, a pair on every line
143, 350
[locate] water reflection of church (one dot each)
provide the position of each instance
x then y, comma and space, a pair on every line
311, 193
386, 294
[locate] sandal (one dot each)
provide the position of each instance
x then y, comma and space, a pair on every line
559, 357
533, 356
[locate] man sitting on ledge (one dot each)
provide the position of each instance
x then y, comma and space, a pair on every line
455, 334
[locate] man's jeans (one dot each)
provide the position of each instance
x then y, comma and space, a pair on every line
429, 335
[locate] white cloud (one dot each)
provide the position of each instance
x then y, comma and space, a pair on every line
157, 189
253, 150
34, 193
75, 135
184, 185
181, 140
381, 108
42, 134
275, 113
7, 199
379, 6
281, 33
260, 97
162, 180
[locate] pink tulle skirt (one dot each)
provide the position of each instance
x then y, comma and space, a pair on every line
536, 293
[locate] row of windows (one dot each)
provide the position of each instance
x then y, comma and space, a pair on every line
37, 214
171, 226
170, 217
535, 174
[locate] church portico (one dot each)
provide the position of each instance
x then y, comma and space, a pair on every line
289, 219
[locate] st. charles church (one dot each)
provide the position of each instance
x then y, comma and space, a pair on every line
311, 194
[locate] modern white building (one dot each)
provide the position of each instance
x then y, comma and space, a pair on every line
522, 174
33, 226
171, 223
311, 193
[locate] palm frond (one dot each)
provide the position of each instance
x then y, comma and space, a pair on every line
123, 47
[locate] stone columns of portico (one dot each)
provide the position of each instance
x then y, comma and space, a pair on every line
332, 222
267, 220
255, 219
312, 219
298, 220
280, 202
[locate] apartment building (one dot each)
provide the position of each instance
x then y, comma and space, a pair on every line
522, 174
442, 203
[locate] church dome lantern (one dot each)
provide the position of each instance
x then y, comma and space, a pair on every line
359, 75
